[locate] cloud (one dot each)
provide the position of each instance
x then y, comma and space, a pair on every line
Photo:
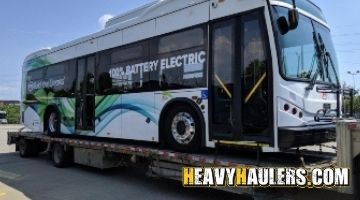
103, 19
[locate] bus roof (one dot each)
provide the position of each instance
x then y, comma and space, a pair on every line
132, 18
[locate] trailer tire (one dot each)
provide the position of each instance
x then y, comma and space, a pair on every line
356, 176
27, 148
60, 156
183, 129
52, 123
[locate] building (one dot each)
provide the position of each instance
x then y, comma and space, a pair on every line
9, 102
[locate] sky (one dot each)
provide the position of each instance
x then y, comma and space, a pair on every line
27, 26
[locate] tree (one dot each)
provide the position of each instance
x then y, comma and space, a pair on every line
357, 105
346, 105
13, 113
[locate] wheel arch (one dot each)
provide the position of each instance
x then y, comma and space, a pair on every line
181, 101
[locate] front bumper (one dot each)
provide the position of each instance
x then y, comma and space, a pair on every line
306, 135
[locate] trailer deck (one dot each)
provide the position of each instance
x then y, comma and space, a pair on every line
222, 156
168, 164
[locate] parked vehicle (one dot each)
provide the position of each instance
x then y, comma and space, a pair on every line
3, 119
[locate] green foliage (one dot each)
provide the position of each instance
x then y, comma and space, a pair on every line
357, 106
346, 106
13, 113
304, 75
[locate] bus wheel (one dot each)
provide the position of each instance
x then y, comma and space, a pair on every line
61, 158
52, 123
183, 130
27, 148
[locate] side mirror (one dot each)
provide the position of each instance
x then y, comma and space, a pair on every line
283, 25
293, 19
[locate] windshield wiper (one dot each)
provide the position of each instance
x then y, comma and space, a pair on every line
323, 60
328, 55
320, 54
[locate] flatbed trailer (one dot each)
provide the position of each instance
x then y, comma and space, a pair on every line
168, 164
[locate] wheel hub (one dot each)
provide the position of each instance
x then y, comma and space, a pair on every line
53, 122
183, 128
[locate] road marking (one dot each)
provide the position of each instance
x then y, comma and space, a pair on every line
8, 175
2, 194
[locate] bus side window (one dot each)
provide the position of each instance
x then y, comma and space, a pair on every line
32, 81
104, 82
70, 77
35, 75
81, 64
55, 77
115, 74
190, 73
126, 54
90, 75
182, 40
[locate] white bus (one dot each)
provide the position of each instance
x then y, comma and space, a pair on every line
3, 117
190, 74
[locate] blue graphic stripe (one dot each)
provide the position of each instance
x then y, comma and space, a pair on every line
111, 114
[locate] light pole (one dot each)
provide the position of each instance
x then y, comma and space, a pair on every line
353, 74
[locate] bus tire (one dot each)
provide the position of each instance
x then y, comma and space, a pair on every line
183, 129
27, 148
52, 123
60, 156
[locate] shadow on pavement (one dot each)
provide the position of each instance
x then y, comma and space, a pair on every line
38, 179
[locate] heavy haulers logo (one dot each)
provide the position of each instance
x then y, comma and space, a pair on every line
266, 177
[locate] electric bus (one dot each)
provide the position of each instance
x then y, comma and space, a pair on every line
191, 74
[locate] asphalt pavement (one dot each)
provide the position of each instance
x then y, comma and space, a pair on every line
37, 179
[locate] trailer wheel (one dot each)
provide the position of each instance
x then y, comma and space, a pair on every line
52, 124
356, 176
27, 148
60, 156
183, 129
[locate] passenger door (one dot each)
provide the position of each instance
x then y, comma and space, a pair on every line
85, 95
225, 87
240, 86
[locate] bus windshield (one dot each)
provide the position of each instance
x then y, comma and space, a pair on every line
298, 53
